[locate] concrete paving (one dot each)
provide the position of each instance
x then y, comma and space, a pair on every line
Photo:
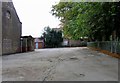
60, 64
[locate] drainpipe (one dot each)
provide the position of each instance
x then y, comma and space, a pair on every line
26, 44
31, 48
21, 44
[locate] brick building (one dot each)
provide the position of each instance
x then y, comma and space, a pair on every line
10, 29
39, 43
27, 43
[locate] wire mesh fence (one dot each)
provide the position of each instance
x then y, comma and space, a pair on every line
112, 46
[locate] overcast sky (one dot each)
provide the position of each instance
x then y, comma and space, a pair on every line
35, 15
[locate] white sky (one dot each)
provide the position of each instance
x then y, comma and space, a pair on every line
35, 15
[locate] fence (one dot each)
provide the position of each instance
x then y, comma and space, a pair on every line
112, 46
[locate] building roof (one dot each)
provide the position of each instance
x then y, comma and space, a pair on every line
57, 29
26, 37
38, 40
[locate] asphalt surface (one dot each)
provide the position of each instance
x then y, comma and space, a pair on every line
60, 64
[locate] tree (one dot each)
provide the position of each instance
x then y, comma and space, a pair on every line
52, 38
94, 20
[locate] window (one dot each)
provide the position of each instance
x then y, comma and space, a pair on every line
8, 15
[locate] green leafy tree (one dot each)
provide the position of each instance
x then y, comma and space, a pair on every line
52, 38
94, 20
